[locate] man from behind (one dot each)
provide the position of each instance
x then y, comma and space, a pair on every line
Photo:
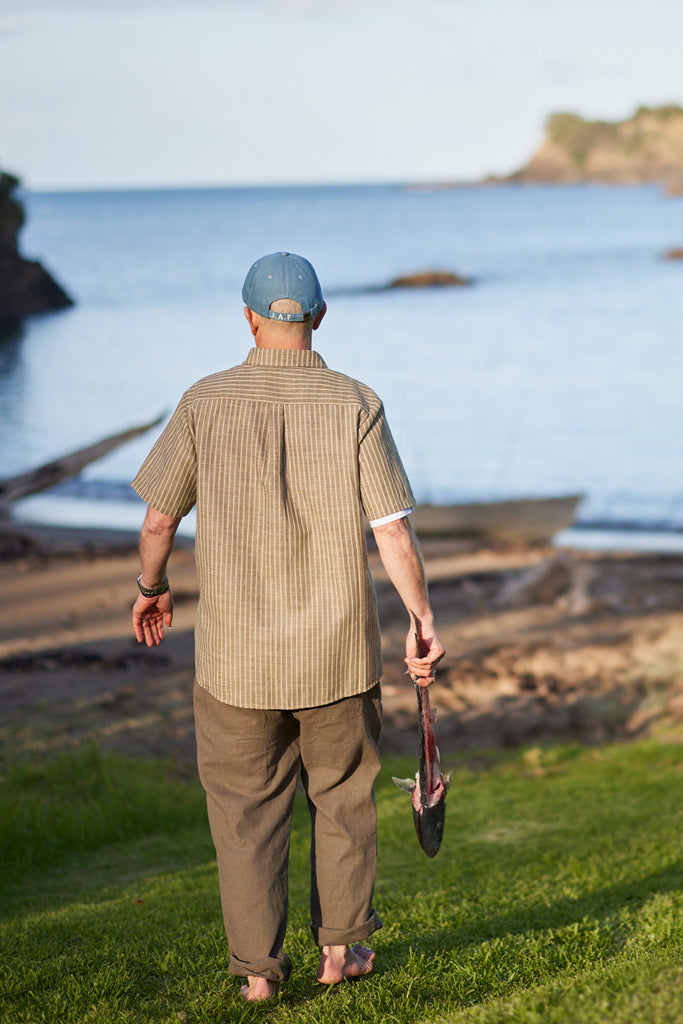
282, 456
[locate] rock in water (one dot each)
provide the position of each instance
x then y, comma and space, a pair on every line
429, 279
25, 286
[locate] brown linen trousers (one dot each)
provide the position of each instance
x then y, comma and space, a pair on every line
249, 761
282, 457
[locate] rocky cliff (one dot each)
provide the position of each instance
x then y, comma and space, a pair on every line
647, 147
25, 286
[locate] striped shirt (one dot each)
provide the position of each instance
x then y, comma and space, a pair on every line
281, 457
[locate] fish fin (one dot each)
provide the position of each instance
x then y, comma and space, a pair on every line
407, 785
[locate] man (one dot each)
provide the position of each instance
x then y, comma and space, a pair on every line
281, 457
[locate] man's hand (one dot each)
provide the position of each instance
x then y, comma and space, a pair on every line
150, 616
424, 651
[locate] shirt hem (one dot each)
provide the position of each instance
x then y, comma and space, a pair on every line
274, 706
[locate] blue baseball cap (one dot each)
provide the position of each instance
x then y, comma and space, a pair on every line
283, 275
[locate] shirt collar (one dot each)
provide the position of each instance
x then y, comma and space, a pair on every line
284, 357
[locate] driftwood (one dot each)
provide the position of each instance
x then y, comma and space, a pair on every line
43, 477
540, 584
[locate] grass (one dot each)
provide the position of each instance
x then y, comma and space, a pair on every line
556, 897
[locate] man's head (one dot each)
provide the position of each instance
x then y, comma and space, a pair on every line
284, 301
283, 275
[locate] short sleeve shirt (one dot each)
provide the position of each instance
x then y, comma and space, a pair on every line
282, 456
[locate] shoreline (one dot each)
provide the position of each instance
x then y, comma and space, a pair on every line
544, 645
44, 539
39, 541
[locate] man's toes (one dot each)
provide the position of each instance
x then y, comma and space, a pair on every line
258, 989
358, 961
363, 953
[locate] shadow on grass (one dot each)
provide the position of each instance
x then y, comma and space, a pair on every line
598, 910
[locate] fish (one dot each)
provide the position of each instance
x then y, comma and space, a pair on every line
429, 787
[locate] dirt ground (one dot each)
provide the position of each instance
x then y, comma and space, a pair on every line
542, 646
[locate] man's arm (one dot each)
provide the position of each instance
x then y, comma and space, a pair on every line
400, 554
152, 614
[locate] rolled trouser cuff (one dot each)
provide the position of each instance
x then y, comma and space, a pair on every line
272, 968
344, 936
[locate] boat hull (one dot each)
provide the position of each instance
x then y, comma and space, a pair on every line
527, 520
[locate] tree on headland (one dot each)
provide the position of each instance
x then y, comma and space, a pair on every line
25, 286
11, 211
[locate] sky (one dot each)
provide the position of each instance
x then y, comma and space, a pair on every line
149, 93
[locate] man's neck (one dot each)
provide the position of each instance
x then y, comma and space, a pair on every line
299, 345
270, 334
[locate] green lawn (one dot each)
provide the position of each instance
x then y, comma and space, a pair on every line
556, 897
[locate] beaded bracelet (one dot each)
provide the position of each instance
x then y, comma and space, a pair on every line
153, 591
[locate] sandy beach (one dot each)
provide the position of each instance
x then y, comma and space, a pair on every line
542, 646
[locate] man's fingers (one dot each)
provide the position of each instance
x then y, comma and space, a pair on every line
421, 670
152, 630
139, 629
422, 677
420, 665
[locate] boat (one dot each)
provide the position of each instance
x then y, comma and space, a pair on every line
515, 520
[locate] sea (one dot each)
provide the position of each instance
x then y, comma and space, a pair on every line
557, 370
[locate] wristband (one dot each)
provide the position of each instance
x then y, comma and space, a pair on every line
153, 591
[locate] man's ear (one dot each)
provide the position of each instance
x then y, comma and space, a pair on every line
319, 318
249, 314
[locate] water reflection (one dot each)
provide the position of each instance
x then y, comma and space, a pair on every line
11, 337
12, 391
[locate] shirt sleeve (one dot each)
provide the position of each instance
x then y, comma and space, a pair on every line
392, 518
167, 479
384, 486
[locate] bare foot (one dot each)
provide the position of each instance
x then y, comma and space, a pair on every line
338, 963
259, 988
